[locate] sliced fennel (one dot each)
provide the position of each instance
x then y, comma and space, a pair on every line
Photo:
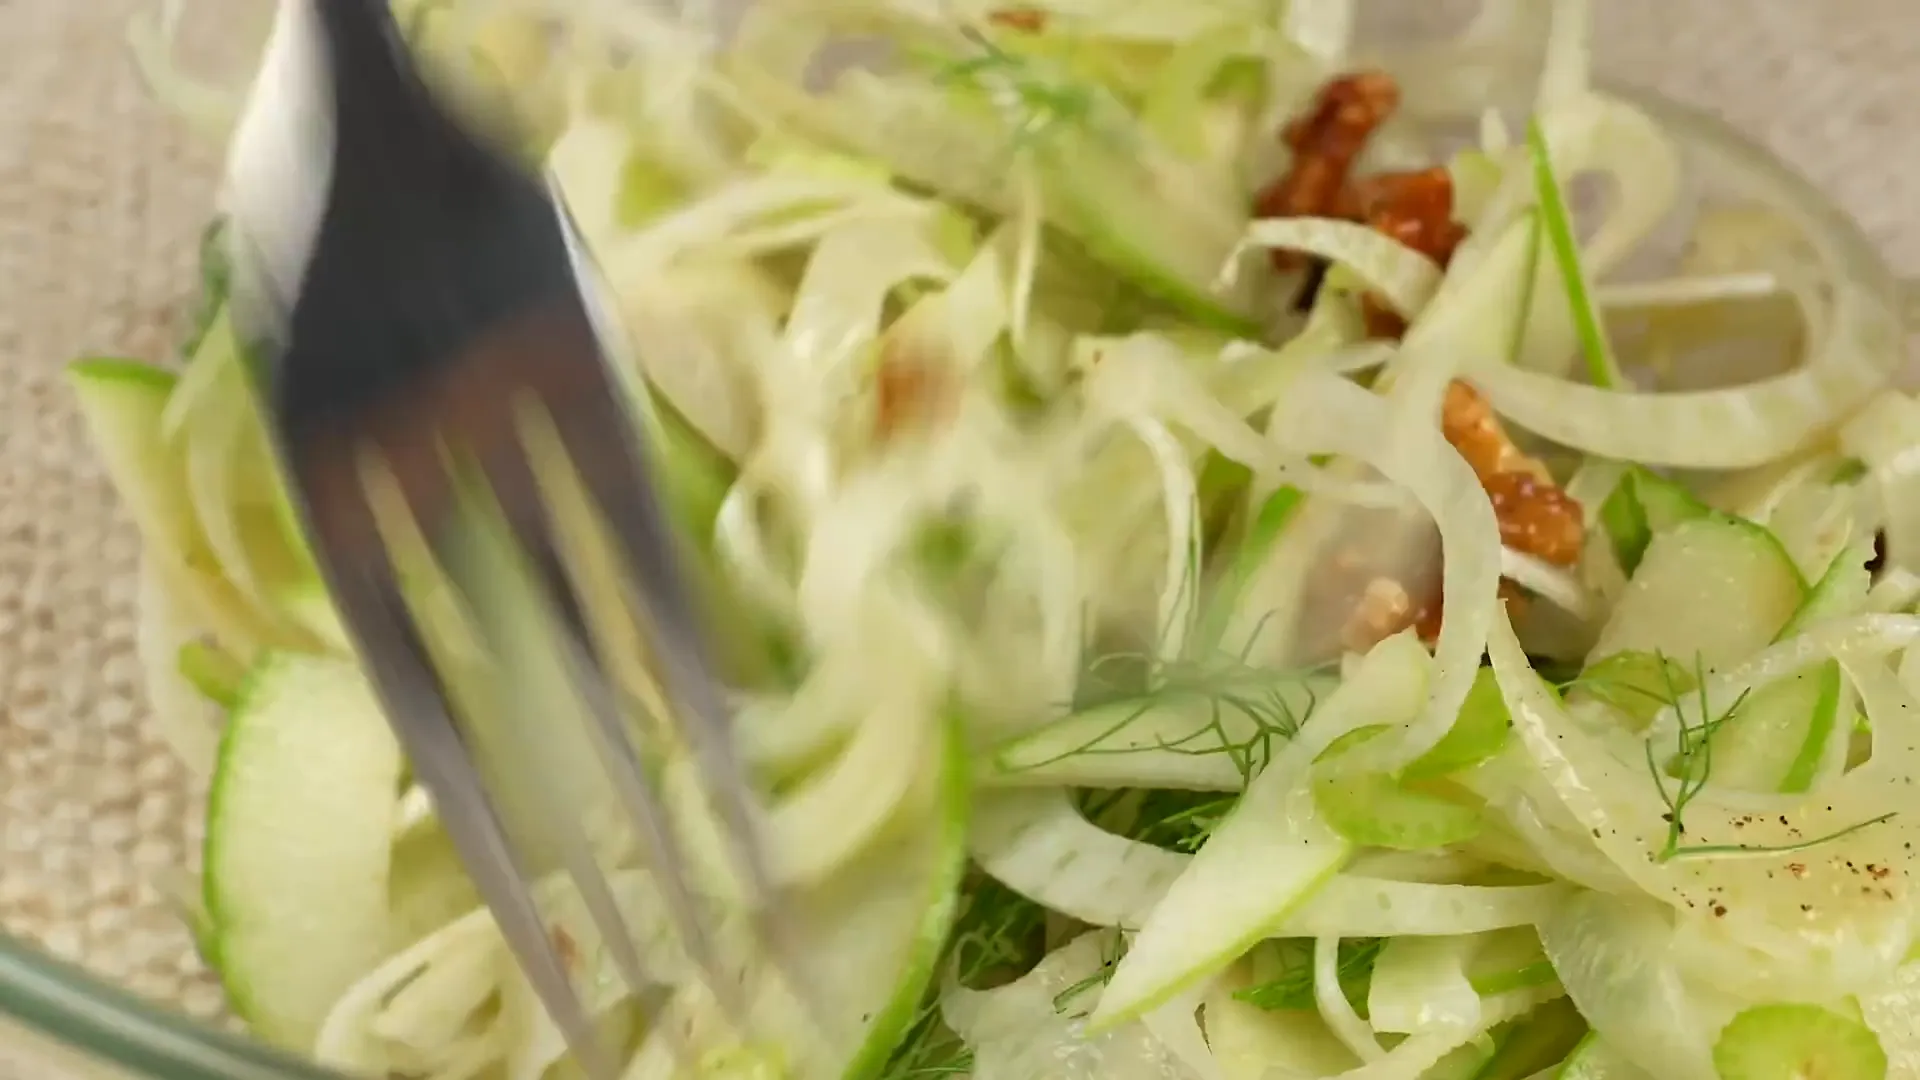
1208, 917
1602, 369
1421, 984
124, 403
1038, 844
1039, 1022
188, 718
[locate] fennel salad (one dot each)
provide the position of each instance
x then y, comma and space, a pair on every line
1237, 555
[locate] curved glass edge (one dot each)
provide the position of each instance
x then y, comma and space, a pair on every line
104, 1022
1862, 256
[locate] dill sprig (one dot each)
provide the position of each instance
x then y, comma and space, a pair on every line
1692, 762
998, 933
1265, 704
1636, 684
1110, 951
1247, 711
1292, 986
1685, 769
1037, 101
1179, 820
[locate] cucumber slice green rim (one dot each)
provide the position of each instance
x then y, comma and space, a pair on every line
1642, 503
1826, 713
1844, 582
299, 843
1794, 1042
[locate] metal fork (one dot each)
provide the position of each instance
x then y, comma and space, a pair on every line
408, 290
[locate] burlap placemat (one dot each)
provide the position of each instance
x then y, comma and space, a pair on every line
100, 199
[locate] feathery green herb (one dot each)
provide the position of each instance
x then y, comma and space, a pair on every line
1687, 767
1292, 986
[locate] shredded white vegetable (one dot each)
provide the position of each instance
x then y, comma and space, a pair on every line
1171, 635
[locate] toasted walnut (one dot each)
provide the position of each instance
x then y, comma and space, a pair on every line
1414, 208
1025, 20
1425, 618
1536, 518
1469, 424
1326, 140
1384, 609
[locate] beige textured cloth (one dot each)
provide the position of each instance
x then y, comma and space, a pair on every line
101, 197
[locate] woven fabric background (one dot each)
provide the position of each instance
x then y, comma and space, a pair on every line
101, 196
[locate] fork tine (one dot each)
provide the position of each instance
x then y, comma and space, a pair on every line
641, 803
416, 705
532, 529
602, 449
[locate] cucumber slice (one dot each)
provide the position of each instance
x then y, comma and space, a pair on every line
1714, 588
1593, 1059
1640, 505
1792, 1042
1774, 741
1778, 738
299, 840
1636, 684
1376, 810
1841, 590
1477, 734
1265, 859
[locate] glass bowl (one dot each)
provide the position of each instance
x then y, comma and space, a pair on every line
101, 199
